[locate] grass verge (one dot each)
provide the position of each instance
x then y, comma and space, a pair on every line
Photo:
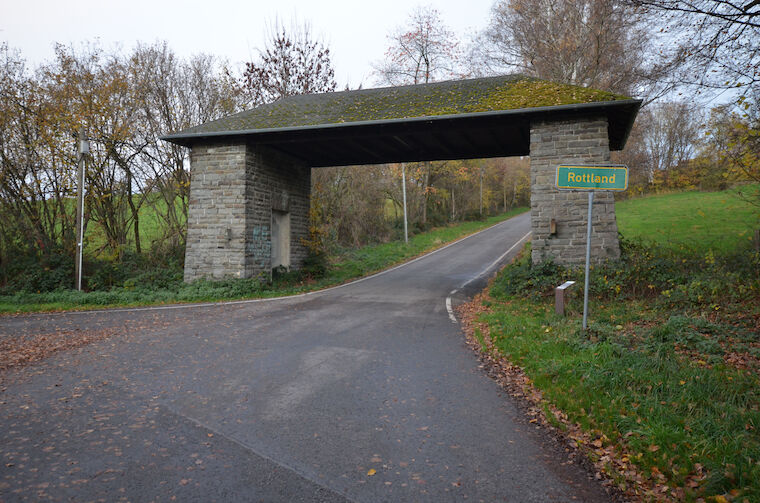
160, 287
663, 391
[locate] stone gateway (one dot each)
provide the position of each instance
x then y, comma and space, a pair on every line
251, 172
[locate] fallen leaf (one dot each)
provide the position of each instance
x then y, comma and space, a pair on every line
371, 472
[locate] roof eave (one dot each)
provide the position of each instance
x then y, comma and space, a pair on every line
188, 139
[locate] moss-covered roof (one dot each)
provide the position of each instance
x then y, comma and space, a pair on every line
449, 98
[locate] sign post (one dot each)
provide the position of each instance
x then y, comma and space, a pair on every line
590, 178
83, 148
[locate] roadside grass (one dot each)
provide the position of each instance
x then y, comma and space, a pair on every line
668, 374
166, 286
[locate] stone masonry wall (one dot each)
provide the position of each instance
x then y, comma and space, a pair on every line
275, 182
569, 142
233, 190
216, 219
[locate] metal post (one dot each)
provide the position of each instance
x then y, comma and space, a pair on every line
403, 189
83, 148
481, 191
588, 258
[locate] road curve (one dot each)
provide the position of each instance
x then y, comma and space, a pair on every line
364, 393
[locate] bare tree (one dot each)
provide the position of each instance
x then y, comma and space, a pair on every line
171, 95
712, 44
353, 200
672, 134
596, 43
423, 50
291, 63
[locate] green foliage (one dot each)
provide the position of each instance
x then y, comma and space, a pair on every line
54, 271
644, 271
636, 387
525, 278
315, 265
141, 280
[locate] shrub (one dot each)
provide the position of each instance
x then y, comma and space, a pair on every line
528, 279
48, 273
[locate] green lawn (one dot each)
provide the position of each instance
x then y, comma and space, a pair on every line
720, 221
150, 226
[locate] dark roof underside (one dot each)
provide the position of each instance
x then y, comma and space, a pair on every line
466, 119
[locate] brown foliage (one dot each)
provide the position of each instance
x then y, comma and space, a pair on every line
291, 63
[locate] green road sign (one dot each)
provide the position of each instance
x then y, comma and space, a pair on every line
583, 177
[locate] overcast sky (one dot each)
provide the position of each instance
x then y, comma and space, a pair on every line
355, 31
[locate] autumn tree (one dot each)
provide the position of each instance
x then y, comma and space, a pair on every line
422, 50
733, 144
34, 183
353, 202
125, 103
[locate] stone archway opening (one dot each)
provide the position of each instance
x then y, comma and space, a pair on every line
251, 172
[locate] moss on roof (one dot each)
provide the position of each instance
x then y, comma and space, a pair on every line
491, 94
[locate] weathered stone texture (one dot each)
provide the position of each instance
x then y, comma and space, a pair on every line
233, 191
275, 182
574, 141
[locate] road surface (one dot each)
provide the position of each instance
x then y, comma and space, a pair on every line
364, 393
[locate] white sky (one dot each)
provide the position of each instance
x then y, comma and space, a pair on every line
355, 31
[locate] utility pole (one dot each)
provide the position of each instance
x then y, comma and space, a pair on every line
403, 189
481, 190
83, 148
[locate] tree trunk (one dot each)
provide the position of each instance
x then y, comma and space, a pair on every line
135, 218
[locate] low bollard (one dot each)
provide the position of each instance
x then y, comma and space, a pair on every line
560, 297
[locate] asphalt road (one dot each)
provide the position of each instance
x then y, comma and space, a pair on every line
365, 393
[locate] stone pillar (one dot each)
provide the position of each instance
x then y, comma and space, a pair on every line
275, 182
574, 141
216, 212
233, 190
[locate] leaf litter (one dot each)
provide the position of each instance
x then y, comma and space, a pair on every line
611, 463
